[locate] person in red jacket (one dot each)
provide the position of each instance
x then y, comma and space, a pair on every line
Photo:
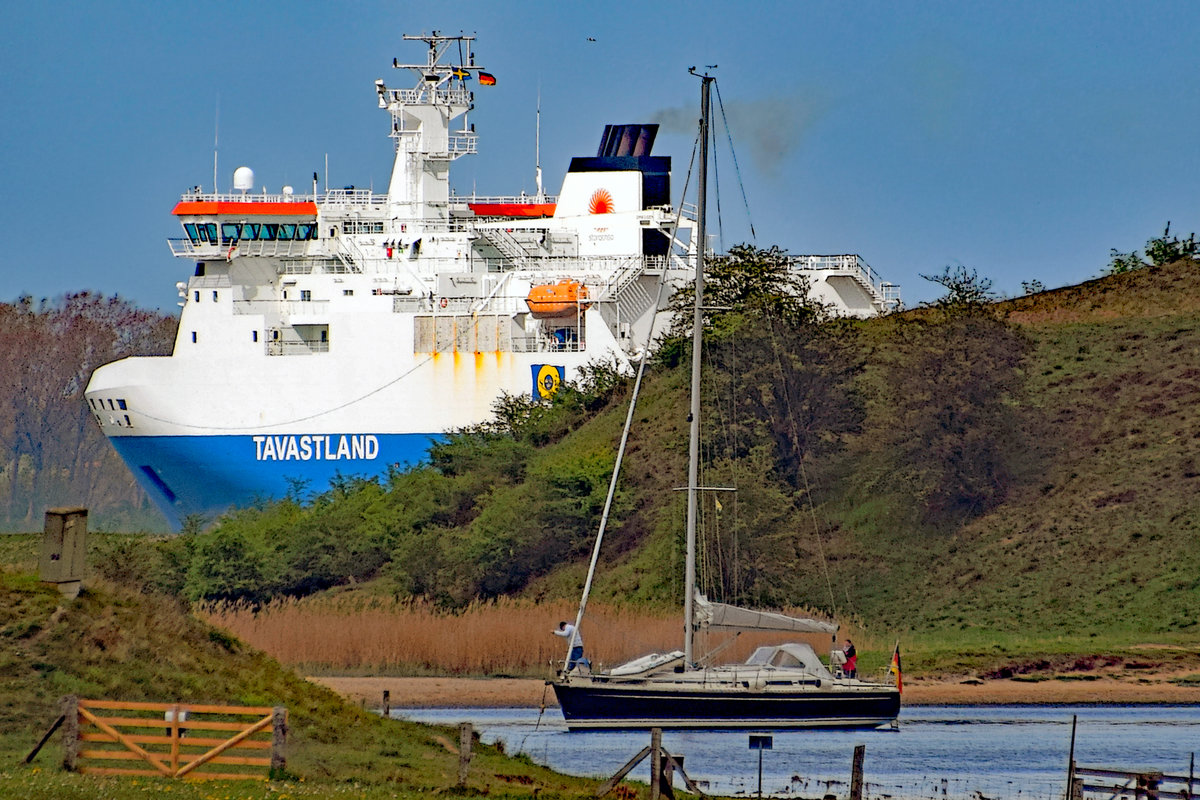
851, 666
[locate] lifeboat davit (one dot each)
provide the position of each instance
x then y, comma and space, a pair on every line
562, 299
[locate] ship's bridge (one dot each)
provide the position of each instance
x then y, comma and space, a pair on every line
216, 221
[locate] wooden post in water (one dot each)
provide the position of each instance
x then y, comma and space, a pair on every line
1071, 795
465, 734
387, 704
856, 772
655, 763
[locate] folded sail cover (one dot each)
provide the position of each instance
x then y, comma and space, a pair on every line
720, 616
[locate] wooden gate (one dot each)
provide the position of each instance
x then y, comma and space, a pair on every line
104, 737
1110, 784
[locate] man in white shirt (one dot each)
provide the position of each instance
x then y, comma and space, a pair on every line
567, 631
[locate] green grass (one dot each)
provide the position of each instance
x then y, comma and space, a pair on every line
118, 644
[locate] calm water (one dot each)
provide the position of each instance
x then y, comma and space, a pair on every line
996, 751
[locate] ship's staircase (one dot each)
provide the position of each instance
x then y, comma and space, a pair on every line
626, 299
347, 251
507, 245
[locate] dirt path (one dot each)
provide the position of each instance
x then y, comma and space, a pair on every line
515, 692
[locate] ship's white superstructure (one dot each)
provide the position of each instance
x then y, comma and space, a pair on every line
343, 331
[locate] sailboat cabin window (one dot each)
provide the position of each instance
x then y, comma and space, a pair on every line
785, 659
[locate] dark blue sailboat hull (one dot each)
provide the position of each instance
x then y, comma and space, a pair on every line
596, 705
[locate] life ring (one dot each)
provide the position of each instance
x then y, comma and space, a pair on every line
444, 302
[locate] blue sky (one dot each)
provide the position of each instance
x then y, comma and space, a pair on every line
1021, 139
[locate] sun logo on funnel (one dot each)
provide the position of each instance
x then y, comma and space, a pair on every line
601, 202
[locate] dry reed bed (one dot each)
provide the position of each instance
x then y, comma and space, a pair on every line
505, 637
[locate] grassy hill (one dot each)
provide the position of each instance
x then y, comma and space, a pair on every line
1097, 527
1099, 531
121, 644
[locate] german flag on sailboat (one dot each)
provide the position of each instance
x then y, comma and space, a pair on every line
895, 669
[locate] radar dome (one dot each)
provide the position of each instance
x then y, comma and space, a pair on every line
243, 179
287, 190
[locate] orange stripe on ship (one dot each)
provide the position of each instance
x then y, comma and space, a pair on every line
208, 208
513, 209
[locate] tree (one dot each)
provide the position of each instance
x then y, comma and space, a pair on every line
53, 452
748, 279
964, 288
1165, 249
952, 383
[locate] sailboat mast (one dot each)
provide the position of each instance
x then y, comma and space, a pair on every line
689, 589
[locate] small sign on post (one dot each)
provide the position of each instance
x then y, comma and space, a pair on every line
760, 742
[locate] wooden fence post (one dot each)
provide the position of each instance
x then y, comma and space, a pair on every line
465, 734
70, 710
856, 772
278, 741
655, 763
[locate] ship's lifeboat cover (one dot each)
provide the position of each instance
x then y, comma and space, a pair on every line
561, 299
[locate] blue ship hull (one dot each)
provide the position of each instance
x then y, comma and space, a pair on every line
596, 705
206, 475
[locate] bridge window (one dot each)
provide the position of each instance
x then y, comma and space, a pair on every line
230, 232
306, 231
192, 232
287, 231
270, 231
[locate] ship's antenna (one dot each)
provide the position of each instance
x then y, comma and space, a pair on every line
216, 139
537, 147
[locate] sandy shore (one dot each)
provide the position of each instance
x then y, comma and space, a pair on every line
520, 692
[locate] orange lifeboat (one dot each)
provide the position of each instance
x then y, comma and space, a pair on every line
562, 299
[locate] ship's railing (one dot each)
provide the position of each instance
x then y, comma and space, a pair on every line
431, 96
290, 308
462, 144
186, 248
351, 196
854, 264
347, 196
848, 263
509, 200
194, 195
547, 344
286, 348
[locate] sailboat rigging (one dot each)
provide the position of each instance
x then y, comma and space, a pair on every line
780, 686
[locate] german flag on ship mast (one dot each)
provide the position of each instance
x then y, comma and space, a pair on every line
895, 669
487, 79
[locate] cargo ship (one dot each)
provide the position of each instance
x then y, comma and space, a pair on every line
343, 331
